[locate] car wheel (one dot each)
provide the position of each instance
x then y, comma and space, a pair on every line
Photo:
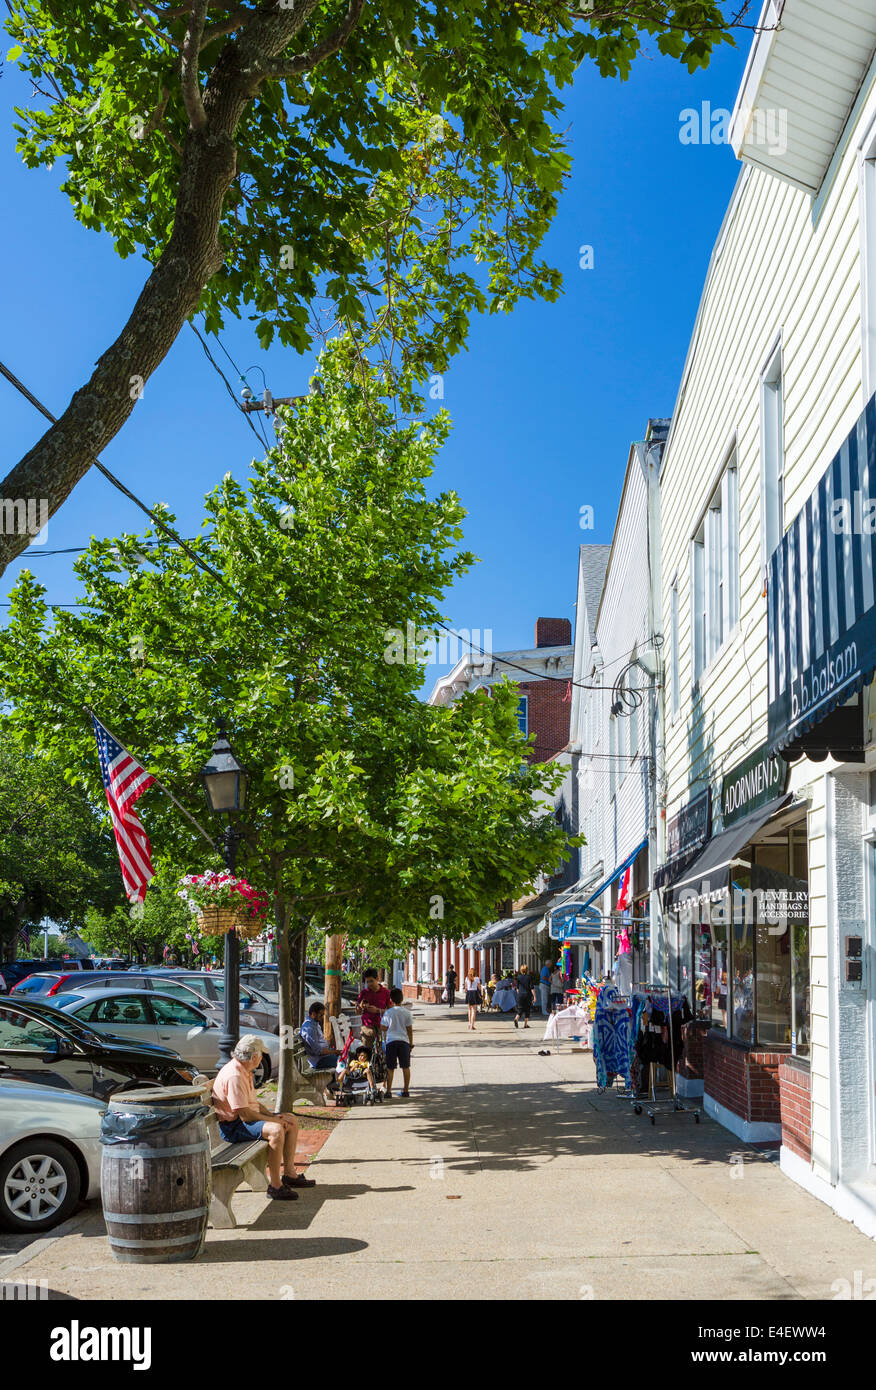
39, 1185
262, 1072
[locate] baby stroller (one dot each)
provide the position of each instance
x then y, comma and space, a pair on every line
356, 1089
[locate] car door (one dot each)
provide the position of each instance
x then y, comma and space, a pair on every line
31, 1049
125, 1016
186, 1030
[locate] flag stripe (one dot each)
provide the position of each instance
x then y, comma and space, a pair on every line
124, 782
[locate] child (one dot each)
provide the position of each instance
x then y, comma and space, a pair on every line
398, 1026
357, 1070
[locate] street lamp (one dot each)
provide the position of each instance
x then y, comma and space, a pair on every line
225, 785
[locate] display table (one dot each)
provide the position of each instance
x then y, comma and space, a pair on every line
573, 1022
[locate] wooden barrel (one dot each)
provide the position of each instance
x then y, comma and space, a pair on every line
155, 1175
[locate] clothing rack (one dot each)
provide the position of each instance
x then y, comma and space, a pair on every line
672, 1101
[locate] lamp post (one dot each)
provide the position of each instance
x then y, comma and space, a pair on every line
225, 788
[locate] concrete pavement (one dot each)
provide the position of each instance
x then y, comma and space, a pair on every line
506, 1175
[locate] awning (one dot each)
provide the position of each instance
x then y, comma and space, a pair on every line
498, 931
712, 870
821, 595
621, 869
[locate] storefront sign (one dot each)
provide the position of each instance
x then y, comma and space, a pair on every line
821, 604
757, 780
691, 827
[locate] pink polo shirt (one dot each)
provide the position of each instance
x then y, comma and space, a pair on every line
233, 1090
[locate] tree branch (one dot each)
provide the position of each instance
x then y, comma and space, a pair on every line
280, 68
236, 19
191, 46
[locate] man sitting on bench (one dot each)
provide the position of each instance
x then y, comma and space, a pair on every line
321, 1056
242, 1119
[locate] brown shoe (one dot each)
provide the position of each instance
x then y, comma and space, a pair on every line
282, 1194
298, 1181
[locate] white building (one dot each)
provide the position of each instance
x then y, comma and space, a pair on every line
615, 725
769, 616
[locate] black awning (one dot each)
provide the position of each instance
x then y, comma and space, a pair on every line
821, 598
713, 868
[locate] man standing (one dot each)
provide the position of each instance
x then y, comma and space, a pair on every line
373, 1000
544, 988
450, 985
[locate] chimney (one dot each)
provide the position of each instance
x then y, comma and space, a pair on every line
553, 632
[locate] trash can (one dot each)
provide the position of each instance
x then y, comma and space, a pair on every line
155, 1174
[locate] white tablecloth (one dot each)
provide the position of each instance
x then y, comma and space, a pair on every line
504, 998
568, 1023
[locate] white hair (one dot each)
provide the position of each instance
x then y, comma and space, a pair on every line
248, 1046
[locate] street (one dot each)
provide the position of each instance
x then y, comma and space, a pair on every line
506, 1175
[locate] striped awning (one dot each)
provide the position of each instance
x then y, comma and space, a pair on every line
821, 597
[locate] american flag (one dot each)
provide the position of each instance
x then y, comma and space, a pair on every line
125, 781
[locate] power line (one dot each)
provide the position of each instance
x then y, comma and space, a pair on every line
124, 490
262, 438
515, 666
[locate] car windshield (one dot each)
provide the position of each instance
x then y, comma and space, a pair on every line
57, 1018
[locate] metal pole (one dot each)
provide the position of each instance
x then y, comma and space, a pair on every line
230, 1034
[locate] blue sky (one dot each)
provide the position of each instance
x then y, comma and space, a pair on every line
544, 402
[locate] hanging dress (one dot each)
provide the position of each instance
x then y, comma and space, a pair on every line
611, 1037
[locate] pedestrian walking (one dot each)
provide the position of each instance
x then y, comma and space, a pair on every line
544, 988
450, 985
398, 1023
558, 988
472, 996
523, 984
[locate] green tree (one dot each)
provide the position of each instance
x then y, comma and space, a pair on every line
368, 811
392, 168
56, 856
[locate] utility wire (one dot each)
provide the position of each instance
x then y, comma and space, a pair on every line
125, 491
515, 666
262, 438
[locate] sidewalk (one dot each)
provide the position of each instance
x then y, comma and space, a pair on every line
504, 1176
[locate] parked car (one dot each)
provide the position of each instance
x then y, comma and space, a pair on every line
263, 978
49, 1154
43, 1044
260, 1010
16, 970
254, 1009
147, 1016
47, 982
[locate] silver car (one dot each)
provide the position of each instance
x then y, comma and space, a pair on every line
203, 991
49, 1154
146, 1015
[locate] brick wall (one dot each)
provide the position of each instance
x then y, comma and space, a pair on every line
795, 1090
550, 704
746, 1082
692, 1064
553, 632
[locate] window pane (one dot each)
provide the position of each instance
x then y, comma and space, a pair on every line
175, 1011
742, 966
131, 1008
25, 1034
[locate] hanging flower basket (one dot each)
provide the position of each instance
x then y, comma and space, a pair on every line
222, 903
216, 921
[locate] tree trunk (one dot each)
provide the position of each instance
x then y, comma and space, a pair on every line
334, 949
286, 1078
